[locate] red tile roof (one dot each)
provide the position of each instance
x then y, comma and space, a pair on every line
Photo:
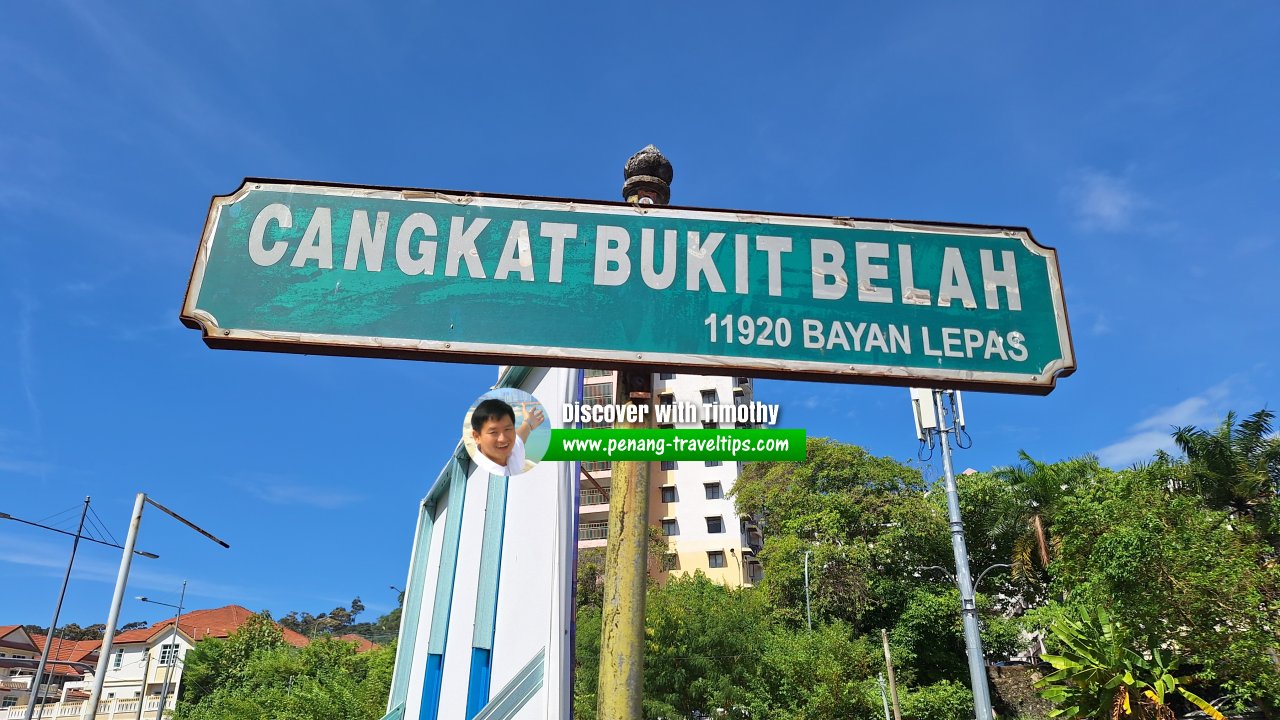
201, 624
77, 651
362, 644
6, 629
134, 636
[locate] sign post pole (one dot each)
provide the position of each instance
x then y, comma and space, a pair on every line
648, 182
968, 604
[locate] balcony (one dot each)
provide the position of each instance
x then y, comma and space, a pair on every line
592, 496
593, 534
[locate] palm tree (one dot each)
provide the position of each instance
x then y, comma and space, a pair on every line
1236, 467
1037, 487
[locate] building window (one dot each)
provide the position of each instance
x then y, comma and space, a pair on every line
118, 662
666, 399
8, 701
597, 394
668, 494
595, 466
715, 559
708, 397
710, 425
668, 465
714, 491
168, 653
713, 463
669, 528
599, 373
666, 376
670, 561
715, 524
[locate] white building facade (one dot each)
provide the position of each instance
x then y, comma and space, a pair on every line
140, 663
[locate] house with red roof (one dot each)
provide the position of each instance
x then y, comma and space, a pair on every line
20, 651
138, 668
143, 661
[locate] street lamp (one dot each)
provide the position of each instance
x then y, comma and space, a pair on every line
173, 658
952, 577
122, 578
62, 593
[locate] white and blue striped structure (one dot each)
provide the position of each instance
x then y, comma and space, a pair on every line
487, 625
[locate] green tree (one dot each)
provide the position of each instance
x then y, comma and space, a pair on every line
1174, 572
1036, 489
846, 508
703, 644
928, 638
1236, 468
221, 662
253, 675
826, 674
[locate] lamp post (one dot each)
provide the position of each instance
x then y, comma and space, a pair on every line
808, 615
122, 579
62, 594
173, 657
952, 577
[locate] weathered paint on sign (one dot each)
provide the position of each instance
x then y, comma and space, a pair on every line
477, 278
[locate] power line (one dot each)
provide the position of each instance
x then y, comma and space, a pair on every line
50, 519
97, 528
104, 526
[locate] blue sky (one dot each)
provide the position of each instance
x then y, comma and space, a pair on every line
1139, 140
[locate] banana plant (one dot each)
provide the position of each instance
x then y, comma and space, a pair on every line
1098, 676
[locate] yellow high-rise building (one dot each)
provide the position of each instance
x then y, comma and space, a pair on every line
688, 500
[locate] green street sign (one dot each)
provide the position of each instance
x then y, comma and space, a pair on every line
469, 277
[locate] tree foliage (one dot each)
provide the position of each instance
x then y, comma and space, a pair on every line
1177, 556
254, 675
1099, 676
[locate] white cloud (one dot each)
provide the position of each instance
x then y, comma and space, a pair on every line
1155, 431
1103, 201
16, 456
1101, 324
27, 355
49, 559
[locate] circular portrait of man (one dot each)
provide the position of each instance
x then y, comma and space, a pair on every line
506, 432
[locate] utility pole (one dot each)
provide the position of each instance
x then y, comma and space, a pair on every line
808, 614
53, 626
893, 682
173, 658
947, 423
117, 597
142, 695
647, 181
